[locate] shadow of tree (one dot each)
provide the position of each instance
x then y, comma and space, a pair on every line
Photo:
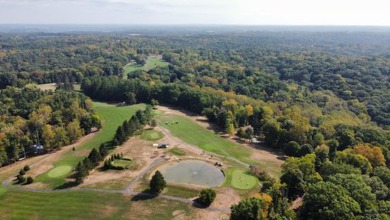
66, 185
144, 195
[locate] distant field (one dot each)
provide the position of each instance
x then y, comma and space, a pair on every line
53, 86
112, 116
47, 86
151, 62
84, 205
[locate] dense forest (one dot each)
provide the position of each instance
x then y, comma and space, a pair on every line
321, 97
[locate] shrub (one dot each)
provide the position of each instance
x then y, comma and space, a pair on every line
207, 196
26, 168
29, 180
21, 179
22, 172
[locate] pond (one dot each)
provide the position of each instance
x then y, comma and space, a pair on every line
194, 172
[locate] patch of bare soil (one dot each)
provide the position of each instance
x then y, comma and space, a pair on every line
141, 152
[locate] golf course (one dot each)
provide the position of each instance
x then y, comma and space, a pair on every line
111, 194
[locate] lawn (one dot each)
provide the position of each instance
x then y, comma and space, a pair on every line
122, 163
111, 116
194, 134
151, 135
151, 62
241, 179
177, 151
84, 205
179, 191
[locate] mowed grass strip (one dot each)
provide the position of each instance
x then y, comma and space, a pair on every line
111, 116
151, 135
84, 205
194, 134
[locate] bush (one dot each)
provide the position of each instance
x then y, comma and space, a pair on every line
29, 180
157, 183
22, 172
21, 179
26, 168
207, 196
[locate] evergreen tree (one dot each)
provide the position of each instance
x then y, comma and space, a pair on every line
103, 151
120, 135
80, 173
88, 164
95, 157
141, 117
157, 183
148, 114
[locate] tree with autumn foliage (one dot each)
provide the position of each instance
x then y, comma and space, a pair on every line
373, 154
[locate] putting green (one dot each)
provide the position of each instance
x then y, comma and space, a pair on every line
242, 180
59, 171
151, 135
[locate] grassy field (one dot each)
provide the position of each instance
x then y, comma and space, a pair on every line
177, 151
241, 180
194, 134
84, 205
151, 135
151, 62
181, 192
112, 117
125, 164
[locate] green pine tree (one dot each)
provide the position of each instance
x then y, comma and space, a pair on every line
157, 183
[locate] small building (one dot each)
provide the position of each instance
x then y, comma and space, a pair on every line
93, 129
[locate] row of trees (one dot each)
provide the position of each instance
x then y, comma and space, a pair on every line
128, 128
124, 131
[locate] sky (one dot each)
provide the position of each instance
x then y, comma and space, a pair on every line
228, 12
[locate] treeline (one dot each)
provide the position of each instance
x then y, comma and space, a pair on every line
124, 131
31, 117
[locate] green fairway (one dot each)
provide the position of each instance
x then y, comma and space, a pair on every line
17, 204
194, 134
241, 180
111, 116
151, 63
151, 135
